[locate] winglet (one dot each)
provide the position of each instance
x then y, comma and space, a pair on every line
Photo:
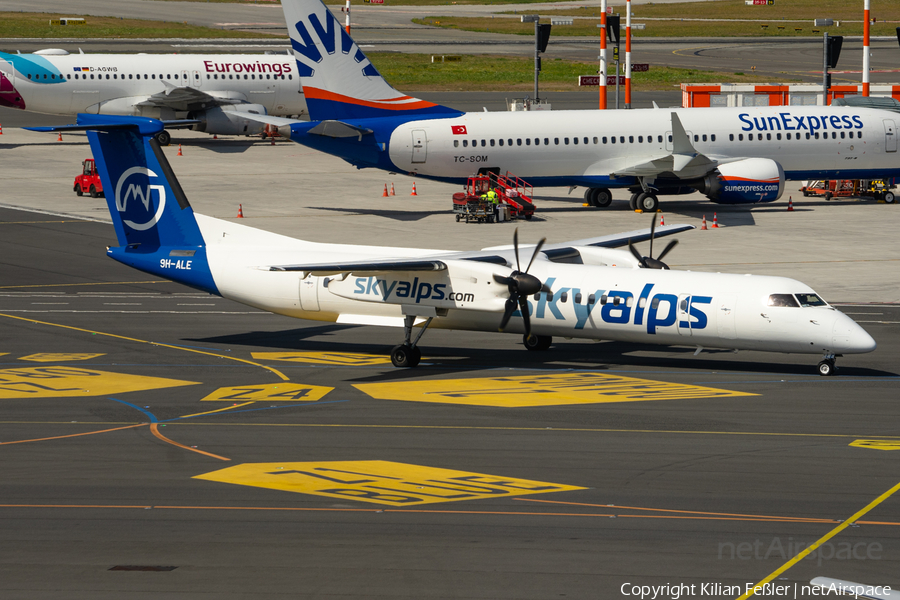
681, 143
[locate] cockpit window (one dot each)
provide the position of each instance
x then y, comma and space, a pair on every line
782, 300
810, 300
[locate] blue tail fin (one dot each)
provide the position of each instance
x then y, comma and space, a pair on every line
154, 222
339, 82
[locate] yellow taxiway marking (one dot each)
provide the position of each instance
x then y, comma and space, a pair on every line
380, 482
3, 353
877, 444
58, 357
131, 339
540, 390
69, 382
325, 358
815, 545
270, 392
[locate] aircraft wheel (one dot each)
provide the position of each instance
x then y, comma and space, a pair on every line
633, 201
602, 198
828, 196
405, 355
647, 202
589, 196
94, 193
827, 368
164, 138
78, 191
537, 342
889, 197
528, 217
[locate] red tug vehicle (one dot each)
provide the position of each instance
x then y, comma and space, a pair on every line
89, 180
513, 192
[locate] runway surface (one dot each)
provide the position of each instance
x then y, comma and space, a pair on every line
159, 442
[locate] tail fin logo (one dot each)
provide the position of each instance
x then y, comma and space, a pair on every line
139, 189
327, 35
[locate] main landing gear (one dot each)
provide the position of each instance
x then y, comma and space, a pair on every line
598, 197
827, 366
644, 201
537, 342
408, 354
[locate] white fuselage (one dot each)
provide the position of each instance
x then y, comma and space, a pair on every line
808, 141
588, 301
121, 83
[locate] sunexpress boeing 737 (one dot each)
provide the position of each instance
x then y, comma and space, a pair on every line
732, 155
223, 94
584, 288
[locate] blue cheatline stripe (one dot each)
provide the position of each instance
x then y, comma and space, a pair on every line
149, 414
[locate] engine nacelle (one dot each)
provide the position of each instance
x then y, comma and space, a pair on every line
744, 181
230, 119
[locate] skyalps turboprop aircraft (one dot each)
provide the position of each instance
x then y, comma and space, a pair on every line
732, 155
230, 94
585, 288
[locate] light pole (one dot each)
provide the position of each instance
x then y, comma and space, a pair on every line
541, 37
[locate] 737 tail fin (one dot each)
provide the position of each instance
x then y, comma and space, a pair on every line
154, 222
339, 82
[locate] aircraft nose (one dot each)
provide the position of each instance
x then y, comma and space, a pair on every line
849, 337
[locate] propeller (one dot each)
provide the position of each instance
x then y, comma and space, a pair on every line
648, 262
520, 285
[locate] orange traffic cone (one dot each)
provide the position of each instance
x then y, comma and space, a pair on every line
1, 129
273, 140
179, 150
59, 137
715, 224
703, 227
790, 203
392, 189
240, 211
662, 219
384, 194
215, 137
414, 190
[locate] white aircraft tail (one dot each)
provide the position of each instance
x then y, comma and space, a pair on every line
339, 82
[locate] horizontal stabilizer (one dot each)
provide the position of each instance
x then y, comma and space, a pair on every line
339, 129
87, 122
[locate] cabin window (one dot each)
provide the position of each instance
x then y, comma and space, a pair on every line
730, 137
564, 297
842, 135
556, 141
208, 76
500, 141
621, 139
788, 135
759, 136
807, 136
834, 135
518, 142
640, 139
616, 300
654, 304
858, 134
630, 139
575, 141
577, 297
537, 141
492, 143
670, 138
290, 76
603, 299
252, 76
509, 142
595, 141
527, 141
782, 300
612, 139
629, 301
769, 136
456, 143
659, 139
483, 143
68, 77
604, 139
642, 302
696, 138
704, 137
549, 296
245, 76
817, 135
592, 299
546, 141
92, 75
566, 140
810, 300
465, 143
777, 136
712, 137
145, 76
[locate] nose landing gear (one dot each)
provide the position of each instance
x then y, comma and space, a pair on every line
827, 365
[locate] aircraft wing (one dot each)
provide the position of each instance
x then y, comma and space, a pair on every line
684, 162
503, 256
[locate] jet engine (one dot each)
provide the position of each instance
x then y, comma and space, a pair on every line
745, 181
230, 119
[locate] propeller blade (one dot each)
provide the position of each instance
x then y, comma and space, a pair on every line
665, 251
507, 314
523, 306
503, 280
636, 254
536, 250
516, 247
652, 234
653, 263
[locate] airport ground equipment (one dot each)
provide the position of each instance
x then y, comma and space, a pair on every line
852, 188
88, 182
513, 192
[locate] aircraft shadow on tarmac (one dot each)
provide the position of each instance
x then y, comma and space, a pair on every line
396, 215
563, 355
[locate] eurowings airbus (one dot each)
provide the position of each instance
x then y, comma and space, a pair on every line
732, 155
586, 288
222, 94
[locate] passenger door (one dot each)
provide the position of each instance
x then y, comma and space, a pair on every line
725, 317
683, 321
309, 294
890, 136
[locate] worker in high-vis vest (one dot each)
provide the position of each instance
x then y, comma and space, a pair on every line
494, 199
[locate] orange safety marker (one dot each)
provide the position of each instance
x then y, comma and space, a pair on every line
790, 203
240, 211
179, 150
414, 190
392, 189
385, 193
273, 140
1, 129
703, 227
715, 224
662, 219
215, 137
59, 137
